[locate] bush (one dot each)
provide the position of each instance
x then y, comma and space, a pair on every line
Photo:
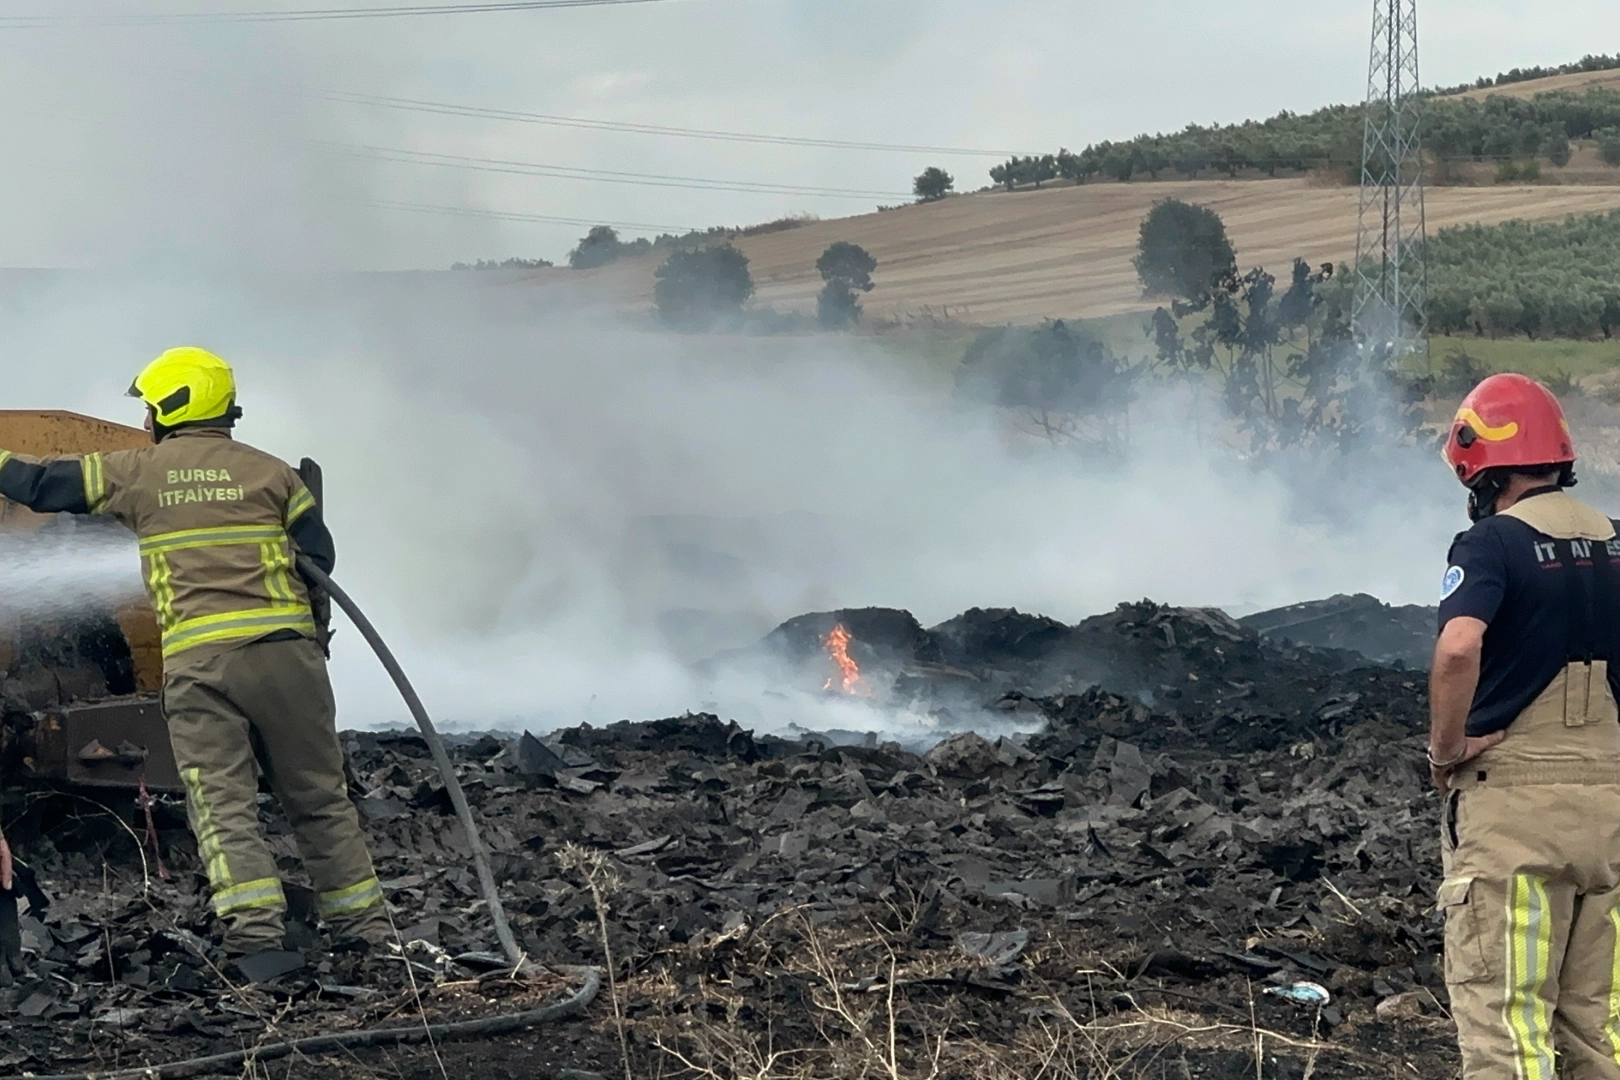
932, 184
1608, 141
504, 264
601, 246
1286, 364
1460, 372
847, 270
1067, 382
1555, 146
1563, 384
696, 289
1507, 171
1183, 250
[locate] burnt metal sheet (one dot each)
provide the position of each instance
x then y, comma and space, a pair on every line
105, 744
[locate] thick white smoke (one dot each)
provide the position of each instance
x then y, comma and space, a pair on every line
550, 513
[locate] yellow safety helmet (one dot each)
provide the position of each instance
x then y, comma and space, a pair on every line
187, 386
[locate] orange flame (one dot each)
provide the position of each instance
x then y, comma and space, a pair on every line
837, 644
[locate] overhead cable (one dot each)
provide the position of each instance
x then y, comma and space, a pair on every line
512, 215
43, 20
609, 176
479, 112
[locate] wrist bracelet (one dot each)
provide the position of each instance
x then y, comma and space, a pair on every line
1458, 760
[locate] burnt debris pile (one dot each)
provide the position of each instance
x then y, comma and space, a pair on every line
1205, 830
1383, 633
1168, 657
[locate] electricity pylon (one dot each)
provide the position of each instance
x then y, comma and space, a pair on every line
1391, 286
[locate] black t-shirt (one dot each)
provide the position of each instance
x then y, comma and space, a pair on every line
1539, 613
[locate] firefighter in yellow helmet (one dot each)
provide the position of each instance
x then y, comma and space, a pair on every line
245, 684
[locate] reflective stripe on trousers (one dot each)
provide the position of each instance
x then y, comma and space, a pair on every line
261, 893
1529, 963
342, 903
228, 896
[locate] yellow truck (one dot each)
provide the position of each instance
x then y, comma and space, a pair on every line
78, 684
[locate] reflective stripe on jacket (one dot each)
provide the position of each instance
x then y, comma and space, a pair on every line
212, 516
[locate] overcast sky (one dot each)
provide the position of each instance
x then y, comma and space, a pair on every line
215, 145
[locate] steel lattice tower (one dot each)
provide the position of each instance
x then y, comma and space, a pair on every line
1390, 279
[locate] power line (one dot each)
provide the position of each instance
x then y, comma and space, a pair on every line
26, 22
449, 109
508, 215
693, 183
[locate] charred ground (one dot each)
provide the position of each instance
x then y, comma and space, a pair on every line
1199, 815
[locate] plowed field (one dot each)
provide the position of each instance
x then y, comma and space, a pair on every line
1065, 252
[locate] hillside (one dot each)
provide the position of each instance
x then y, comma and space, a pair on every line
1578, 83
1066, 252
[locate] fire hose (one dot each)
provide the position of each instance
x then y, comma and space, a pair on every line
215, 1064
505, 1023
452, 785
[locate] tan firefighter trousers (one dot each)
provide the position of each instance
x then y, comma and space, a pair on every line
1531, 849
269, 704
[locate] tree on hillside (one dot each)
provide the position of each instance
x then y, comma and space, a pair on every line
601, 246
1555, 145
1078, 167
1554, 279
1066, 384
1005, 174
696, 289
1286, 365
1189, 157
1183, 251
1121, 162
1608, 141
1025, 170
932, 184
1039, 170
1330, 140
847, 270
504, 264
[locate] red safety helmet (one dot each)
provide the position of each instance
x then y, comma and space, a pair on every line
1508, 421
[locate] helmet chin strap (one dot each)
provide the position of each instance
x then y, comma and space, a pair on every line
1484, 492
162, 431
1489, 485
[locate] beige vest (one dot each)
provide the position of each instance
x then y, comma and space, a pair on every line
212, 516
1570, 734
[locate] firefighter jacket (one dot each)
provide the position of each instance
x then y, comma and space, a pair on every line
218, 522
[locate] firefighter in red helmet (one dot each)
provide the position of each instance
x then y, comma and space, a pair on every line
1524, 743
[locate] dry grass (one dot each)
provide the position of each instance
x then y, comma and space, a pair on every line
1578, 83
1065, 252
874, 1010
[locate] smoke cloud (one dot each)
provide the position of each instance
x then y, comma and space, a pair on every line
552, 514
